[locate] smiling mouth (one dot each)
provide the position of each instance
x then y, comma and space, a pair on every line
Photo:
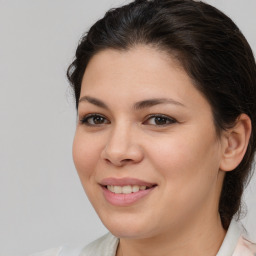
127, 189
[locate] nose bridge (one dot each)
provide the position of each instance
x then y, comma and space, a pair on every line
120, 136
122, 145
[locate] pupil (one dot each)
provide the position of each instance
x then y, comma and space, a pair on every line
160, 120
98, 120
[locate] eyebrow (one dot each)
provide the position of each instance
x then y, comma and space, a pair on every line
137, 106
93, 101
156, 101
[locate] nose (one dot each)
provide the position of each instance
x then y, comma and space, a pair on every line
122, 147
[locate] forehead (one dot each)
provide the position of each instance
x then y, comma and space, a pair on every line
141, 72
137, 54
142, 65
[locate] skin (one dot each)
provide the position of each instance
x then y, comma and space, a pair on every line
185, 158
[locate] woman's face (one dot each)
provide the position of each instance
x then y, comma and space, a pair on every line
145, 147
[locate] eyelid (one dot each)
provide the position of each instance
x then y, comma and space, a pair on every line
83, 120
171, 119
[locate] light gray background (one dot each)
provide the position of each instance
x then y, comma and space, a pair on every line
42, 204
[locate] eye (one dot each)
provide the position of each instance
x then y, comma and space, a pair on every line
159, 120
94, 120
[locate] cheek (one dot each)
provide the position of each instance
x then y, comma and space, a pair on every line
85, 155
184, 158
189, 169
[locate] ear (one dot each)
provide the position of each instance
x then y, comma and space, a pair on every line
235, 142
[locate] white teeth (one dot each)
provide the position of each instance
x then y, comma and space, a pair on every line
125, 189
109, 188
135, 189
117, 189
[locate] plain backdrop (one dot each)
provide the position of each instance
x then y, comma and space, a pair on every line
42, 204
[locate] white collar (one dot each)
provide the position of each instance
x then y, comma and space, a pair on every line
231, 239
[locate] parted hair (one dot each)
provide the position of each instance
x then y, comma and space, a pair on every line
210, 48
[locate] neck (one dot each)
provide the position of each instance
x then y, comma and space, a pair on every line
202, 238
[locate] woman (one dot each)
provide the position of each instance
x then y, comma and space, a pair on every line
165, 92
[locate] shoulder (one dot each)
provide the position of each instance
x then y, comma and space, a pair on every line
236, 243
51, 252
104, 246
245, 247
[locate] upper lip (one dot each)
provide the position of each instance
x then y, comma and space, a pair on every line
125, 181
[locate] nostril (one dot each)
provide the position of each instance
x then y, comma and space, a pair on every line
117, 162
126, 160
108, 161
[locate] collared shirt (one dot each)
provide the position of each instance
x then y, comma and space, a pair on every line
235, 244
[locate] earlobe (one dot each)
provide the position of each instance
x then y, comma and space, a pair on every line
235, 142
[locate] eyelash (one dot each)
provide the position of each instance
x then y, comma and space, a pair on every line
85, 119
169, 120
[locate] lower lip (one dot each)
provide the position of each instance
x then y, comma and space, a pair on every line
125, 199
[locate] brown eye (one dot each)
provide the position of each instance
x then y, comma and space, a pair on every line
94, 119
160, 120
98, 120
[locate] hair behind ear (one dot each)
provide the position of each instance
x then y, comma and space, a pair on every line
235, 144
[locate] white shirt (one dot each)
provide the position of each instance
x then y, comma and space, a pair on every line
234, 244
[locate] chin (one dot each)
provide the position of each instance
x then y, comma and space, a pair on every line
127, 226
